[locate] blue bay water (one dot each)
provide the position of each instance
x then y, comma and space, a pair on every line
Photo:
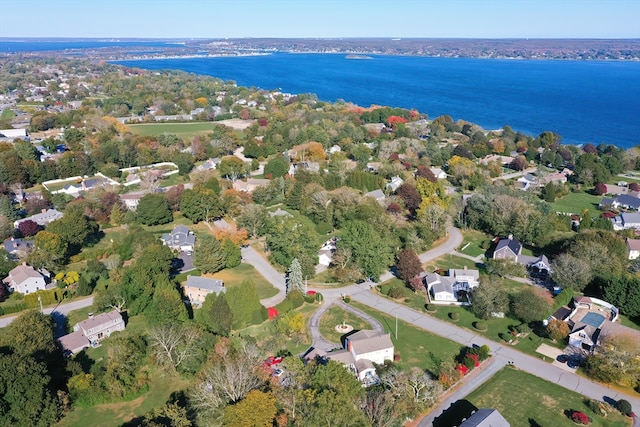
583, 101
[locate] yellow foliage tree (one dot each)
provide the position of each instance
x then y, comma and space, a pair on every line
257, 409
238, 237
121, 128
498, 146
201, 102
310, 151
432, 193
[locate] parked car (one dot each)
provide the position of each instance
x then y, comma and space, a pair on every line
562, 358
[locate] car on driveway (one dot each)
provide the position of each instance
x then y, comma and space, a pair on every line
574, 363
562, 358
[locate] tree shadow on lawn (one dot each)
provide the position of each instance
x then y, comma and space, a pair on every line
455, 414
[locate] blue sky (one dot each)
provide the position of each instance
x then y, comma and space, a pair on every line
321, 18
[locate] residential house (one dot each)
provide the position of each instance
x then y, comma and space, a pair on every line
97, 328
250, 184
503, 160
508, 248
210, 164
86, 185
555, 178
527, 181
361, 350
74, 343
511, 248
485, 417
197, 288
583, 335
131, 200
447, 288
12, 134
304, 165
376, 194
394, 184
626, 201
280, 212
25, 279
373, 167
180, 239
325, 255
633, 248
17, 247
626, 220
43, 218
439, 173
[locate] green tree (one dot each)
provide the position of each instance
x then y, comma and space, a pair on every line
51, 243
253, 218
6, 208
489, 298
153, 209
201, 204
167, 305
232, 253
295, 281
570, 272
370, 249
616, 361
277, 167
529, 306
171, 414
216, 314
232, 167
209, 256
245, 305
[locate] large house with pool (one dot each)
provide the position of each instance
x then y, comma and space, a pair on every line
586, 319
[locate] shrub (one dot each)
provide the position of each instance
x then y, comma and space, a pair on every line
285, 306
469, 363
431, 308
598, 408
296, 298
396, 293
480, 325
384, 289
484, 352
523, 328
454, 315
346, 299
624, 407
319, 297
579, 418
309, 299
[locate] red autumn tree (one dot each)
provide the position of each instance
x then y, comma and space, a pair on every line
408, 265
28, 228
600, 189
425, 172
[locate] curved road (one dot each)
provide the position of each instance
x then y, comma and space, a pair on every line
62, 308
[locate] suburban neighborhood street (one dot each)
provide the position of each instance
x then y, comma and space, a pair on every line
62, 308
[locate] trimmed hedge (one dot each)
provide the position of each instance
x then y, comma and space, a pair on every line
431, 308
454, 315
480, 325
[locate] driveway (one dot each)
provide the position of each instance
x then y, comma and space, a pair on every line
62, 308
273, 276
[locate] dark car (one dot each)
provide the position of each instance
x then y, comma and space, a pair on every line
574, 363
563, 358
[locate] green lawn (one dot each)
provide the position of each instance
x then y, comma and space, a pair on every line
235, 276
115, 414
414, 345
475, 243
184, 131
174, 179
630, 323
576, 203
526, 400
335, 316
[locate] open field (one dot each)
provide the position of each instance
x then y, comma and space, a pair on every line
526, 400
576, 203
414, 345
235, 276
184, 131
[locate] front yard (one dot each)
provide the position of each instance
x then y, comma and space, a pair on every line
526, 400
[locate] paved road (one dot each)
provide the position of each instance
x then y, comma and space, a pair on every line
277, 279
63, 308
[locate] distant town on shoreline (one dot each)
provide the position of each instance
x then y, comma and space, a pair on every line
115, 48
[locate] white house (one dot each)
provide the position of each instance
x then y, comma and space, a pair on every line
371, 345
439, 173
197, 288
43, 218
24, 279
633, 248
96, 328
445, 289
626, 220
395, 183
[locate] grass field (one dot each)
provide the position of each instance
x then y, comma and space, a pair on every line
414, 345
235, 276
184, 131
475, 243
526, 400
576, 203
335, 316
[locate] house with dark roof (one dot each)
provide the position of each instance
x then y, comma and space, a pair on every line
626, 201
197, 288
17, 247
486, 417
43, 218
508, 248
180, 239
443, 289
626, 221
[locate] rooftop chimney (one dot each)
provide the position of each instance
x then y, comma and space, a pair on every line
510, 236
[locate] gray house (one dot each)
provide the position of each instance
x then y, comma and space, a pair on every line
197, 288
180, 239
96, 328
508, 248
